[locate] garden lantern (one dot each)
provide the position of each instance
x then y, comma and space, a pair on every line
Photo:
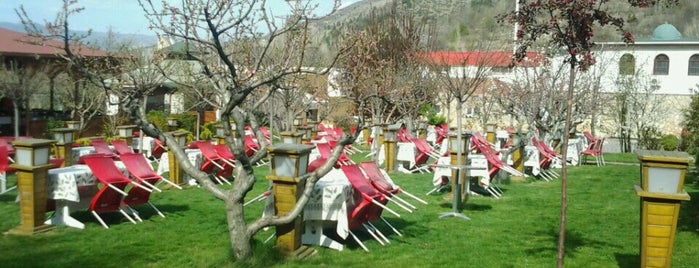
291, 137
389, 136
32, 165
490, 132
126, 133
64, 143
289, 164
661, 192
73, 124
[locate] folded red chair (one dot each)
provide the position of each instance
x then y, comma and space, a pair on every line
109, 198
121, 147
214, 164
546, 158
56, 162
369, 208
101, 147
386, 186
159, 149
325, 150
138, 167
5, 167
143, 172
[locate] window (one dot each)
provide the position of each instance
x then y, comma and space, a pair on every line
627, 65
661, 65
693, 65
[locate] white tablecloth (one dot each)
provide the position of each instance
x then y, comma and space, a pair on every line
145, 148
63, 182
194, 156
406, 153
63, 186
330, 200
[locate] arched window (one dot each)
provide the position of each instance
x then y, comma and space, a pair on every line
661, 65
693, 65
627, 65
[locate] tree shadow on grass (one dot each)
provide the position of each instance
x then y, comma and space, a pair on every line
689, 213
628, 260
144, 211
574, 240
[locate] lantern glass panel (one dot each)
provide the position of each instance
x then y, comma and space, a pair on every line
41, 156
287, 139
389, 135
663, 180
219, 131
23, 156
284, 166
303, 165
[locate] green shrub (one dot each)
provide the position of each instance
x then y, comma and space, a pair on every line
436, 120
158, 119
669, 142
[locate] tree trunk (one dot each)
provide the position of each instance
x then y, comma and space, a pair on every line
241, 240
564, 168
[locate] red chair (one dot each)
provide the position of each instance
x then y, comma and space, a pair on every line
101, 147
121, 147
109, 198
142, 171
594, 150
56, 162
138, 167
325, 150
546, 159
214, 164
385, 185
5, 167
369, 208
159, 149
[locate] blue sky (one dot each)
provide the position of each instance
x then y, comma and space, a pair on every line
125, 16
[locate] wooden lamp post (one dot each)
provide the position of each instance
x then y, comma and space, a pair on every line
389, 137
32, 164
291, 137
661, 192
64, 145
490, 132
176, 175
220, 134
289, 164
126, 133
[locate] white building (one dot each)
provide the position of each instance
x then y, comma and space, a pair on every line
666, 59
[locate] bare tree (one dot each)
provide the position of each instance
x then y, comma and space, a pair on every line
236, 60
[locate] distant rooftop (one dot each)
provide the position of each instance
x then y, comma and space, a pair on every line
666, 33
20, 44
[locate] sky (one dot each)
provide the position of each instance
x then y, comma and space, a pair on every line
124, 16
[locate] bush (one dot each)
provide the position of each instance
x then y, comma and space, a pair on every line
669, 142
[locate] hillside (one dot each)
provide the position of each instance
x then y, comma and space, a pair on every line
465, 24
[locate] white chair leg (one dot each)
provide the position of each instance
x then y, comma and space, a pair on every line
371, 232
127, 216
134, 213
156, 209
358, 242
378, 232
99, 219
390, 226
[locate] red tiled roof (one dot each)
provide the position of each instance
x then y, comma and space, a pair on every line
488, 58
20, 44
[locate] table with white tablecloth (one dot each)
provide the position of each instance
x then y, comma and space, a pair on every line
65, 185
194, 156
145, 147
328, 205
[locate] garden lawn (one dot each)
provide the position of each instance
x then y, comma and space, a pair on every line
518, 230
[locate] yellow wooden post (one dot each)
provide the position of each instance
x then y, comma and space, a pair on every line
289, 164
32, 156
64, 144
518, 154
490, 132
661, 192
176, 175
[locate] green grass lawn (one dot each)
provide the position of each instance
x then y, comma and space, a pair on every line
519, 230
